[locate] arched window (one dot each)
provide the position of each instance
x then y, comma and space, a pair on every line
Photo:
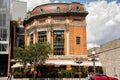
58, 9
77, 8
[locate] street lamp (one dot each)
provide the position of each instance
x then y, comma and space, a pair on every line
78, 61
93, 57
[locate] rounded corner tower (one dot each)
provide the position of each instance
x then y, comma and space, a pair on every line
63, 25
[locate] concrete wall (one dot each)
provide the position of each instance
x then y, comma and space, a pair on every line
18, 9
109, 55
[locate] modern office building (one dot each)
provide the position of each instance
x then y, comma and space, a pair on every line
63, 25
12, 14
4, 36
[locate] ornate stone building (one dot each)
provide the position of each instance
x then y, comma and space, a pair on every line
63, 25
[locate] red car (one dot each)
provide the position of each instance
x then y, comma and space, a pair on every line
103, 77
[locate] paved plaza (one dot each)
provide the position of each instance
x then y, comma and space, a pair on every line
5, 78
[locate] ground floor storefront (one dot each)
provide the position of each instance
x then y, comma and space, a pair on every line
56, 71
61, 67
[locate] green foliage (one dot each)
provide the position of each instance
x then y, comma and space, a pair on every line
35, 54
21, 55
39, 52
67, 73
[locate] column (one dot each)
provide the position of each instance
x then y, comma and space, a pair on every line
67, 41
49, 37
34, 38
28, 40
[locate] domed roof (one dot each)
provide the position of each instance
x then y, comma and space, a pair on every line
49, 9
54, 7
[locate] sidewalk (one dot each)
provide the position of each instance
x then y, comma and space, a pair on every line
50, 79
3, 78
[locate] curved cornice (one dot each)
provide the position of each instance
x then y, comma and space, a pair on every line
66, 9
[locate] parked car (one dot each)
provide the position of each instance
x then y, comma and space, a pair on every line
103, 77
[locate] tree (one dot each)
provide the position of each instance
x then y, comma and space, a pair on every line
35, 54
22, 55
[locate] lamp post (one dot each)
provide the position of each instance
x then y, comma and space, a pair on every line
93, 58
93, 54
78, 61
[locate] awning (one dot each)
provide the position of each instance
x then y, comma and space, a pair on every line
72, 62
62, 62
17, 65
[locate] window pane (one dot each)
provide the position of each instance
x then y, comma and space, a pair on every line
59, 19
3, 47
2, 19
31, 39
3, 3
58, 42
42, 37
42, 20
3, 34
77, 40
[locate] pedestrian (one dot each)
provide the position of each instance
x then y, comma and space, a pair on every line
9, 76
39, 75
89, 75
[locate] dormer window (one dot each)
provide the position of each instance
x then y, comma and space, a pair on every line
77, 8
58, 9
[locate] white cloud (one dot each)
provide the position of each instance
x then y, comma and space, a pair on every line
33, 3
91, 45
103, 22
56, 1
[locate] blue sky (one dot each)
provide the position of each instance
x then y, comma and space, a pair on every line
83, 1
103, 20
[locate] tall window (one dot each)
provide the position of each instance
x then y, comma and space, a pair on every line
2, 19
77, 40
77, 8
58, 9
42, 37
3, 34
59, 42
31, 38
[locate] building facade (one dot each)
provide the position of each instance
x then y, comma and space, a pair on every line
18, 11
63, 25
109, 54
4, 36
11, 31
